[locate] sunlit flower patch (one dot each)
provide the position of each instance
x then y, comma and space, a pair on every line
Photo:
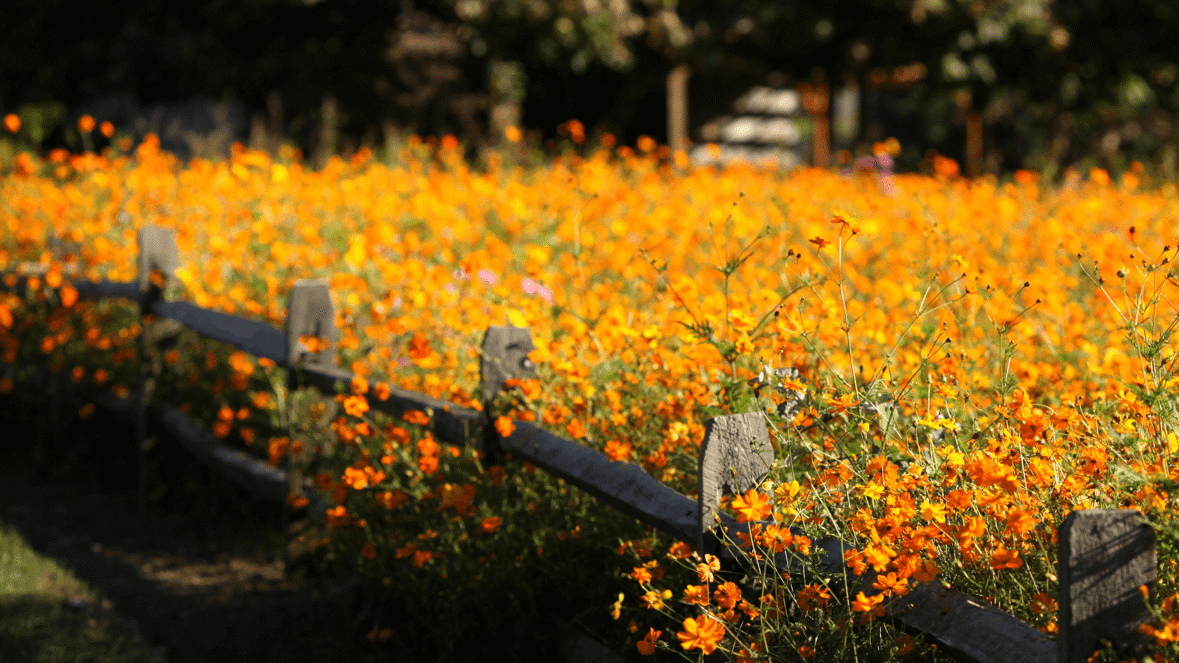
969, 361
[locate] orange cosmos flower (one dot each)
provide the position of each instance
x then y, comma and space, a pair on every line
355, 478
813, 596
427, 446
697, 594
878, 555
1019, 520
701, 633
776, 538
338, 517
68, 296
12, 123
841, 404
936, 513
576, 429
753, 505
458, 497
428, 464
382, 391
576, 131
355, 405
504, 426
277, 448
819, 242
616, 450
706, 570
1043, 603
866, 604
641, 575
654, 599
391, 499
890, 583
416, 417
1005, 559
646, 646
727, 595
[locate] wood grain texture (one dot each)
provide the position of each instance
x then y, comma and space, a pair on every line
1105, 556
309, 313
505, 355
969, 627
157, 250
735, 456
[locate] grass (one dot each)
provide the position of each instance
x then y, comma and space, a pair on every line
48, 615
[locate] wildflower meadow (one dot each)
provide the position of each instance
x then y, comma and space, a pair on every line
1020, 333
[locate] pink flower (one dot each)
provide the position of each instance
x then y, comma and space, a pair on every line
488, 276
533, 288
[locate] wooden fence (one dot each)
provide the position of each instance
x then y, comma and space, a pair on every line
1104, 556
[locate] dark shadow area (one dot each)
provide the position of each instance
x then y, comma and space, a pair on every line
203, 578
43, 629
202, 575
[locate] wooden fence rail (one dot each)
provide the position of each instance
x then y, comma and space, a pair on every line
1104, 556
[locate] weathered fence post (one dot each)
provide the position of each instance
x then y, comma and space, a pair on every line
1105, 556
505, 355
735, 456
157, 253
309, 313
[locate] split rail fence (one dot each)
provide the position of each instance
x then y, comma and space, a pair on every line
1104, 555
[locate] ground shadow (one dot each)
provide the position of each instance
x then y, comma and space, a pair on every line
202, 575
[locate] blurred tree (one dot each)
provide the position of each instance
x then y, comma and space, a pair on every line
1054, 82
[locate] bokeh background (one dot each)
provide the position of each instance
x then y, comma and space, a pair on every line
1055, 84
